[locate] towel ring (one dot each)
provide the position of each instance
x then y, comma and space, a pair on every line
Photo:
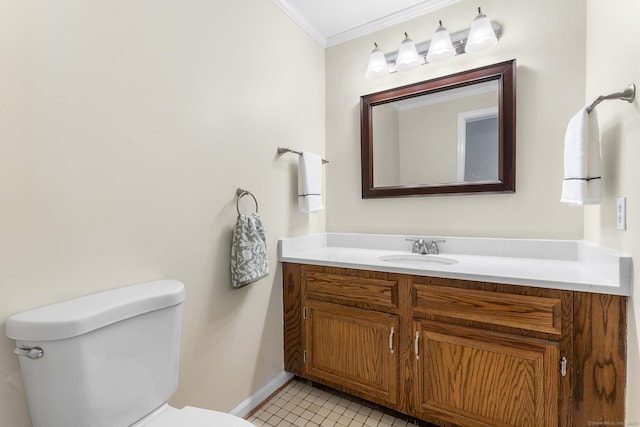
241, 193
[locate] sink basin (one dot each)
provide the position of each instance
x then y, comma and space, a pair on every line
418, 260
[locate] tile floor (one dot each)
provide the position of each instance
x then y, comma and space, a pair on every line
300, 405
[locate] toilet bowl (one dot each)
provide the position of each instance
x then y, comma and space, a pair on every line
167, 416
109, 359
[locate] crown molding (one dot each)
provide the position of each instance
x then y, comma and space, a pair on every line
361, 30
302, 22
389, 20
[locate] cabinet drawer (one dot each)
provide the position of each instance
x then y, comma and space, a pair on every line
364, 292
539, 314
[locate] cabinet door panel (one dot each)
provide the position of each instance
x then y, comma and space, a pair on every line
354, 348
472, 377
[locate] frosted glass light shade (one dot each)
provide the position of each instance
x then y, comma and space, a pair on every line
377, 66
408, 57
441, 47
481, 35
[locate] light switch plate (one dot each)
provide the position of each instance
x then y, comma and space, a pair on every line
621, 213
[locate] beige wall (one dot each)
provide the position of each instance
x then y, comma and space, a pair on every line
611, 66
547, 38
125, 129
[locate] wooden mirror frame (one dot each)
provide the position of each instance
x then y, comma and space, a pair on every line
505, 74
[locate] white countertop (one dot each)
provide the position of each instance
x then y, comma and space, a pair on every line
558, 264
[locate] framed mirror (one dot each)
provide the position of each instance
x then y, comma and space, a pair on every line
453, 134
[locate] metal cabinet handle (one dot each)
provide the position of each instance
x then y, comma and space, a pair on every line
31, 353
391, 339
415, 345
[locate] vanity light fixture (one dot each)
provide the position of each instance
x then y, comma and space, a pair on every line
378, 66
441, 47
483, 34
408, 57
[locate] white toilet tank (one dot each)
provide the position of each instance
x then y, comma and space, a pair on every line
108, 359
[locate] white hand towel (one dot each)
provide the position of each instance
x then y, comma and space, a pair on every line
310, 183
582, 180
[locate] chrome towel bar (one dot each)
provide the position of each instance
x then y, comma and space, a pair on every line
628, 94
282, 150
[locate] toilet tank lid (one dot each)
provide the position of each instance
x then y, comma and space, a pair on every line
78, 316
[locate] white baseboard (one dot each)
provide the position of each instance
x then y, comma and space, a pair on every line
251, 402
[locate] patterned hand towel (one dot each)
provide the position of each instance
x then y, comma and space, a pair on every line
249, 260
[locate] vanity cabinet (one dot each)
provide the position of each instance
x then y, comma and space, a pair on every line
457, 352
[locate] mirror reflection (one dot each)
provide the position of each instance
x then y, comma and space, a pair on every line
442, 137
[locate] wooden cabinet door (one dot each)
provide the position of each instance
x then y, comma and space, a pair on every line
354, 349
473, 377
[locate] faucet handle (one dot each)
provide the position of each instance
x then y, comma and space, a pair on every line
416, 244
433, 248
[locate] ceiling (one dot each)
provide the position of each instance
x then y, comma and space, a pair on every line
331, 22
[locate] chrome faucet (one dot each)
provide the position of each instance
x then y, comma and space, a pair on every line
420, 246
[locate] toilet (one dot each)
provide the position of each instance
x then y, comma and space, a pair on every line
109, 359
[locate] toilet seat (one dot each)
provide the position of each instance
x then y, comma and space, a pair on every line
167, 416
